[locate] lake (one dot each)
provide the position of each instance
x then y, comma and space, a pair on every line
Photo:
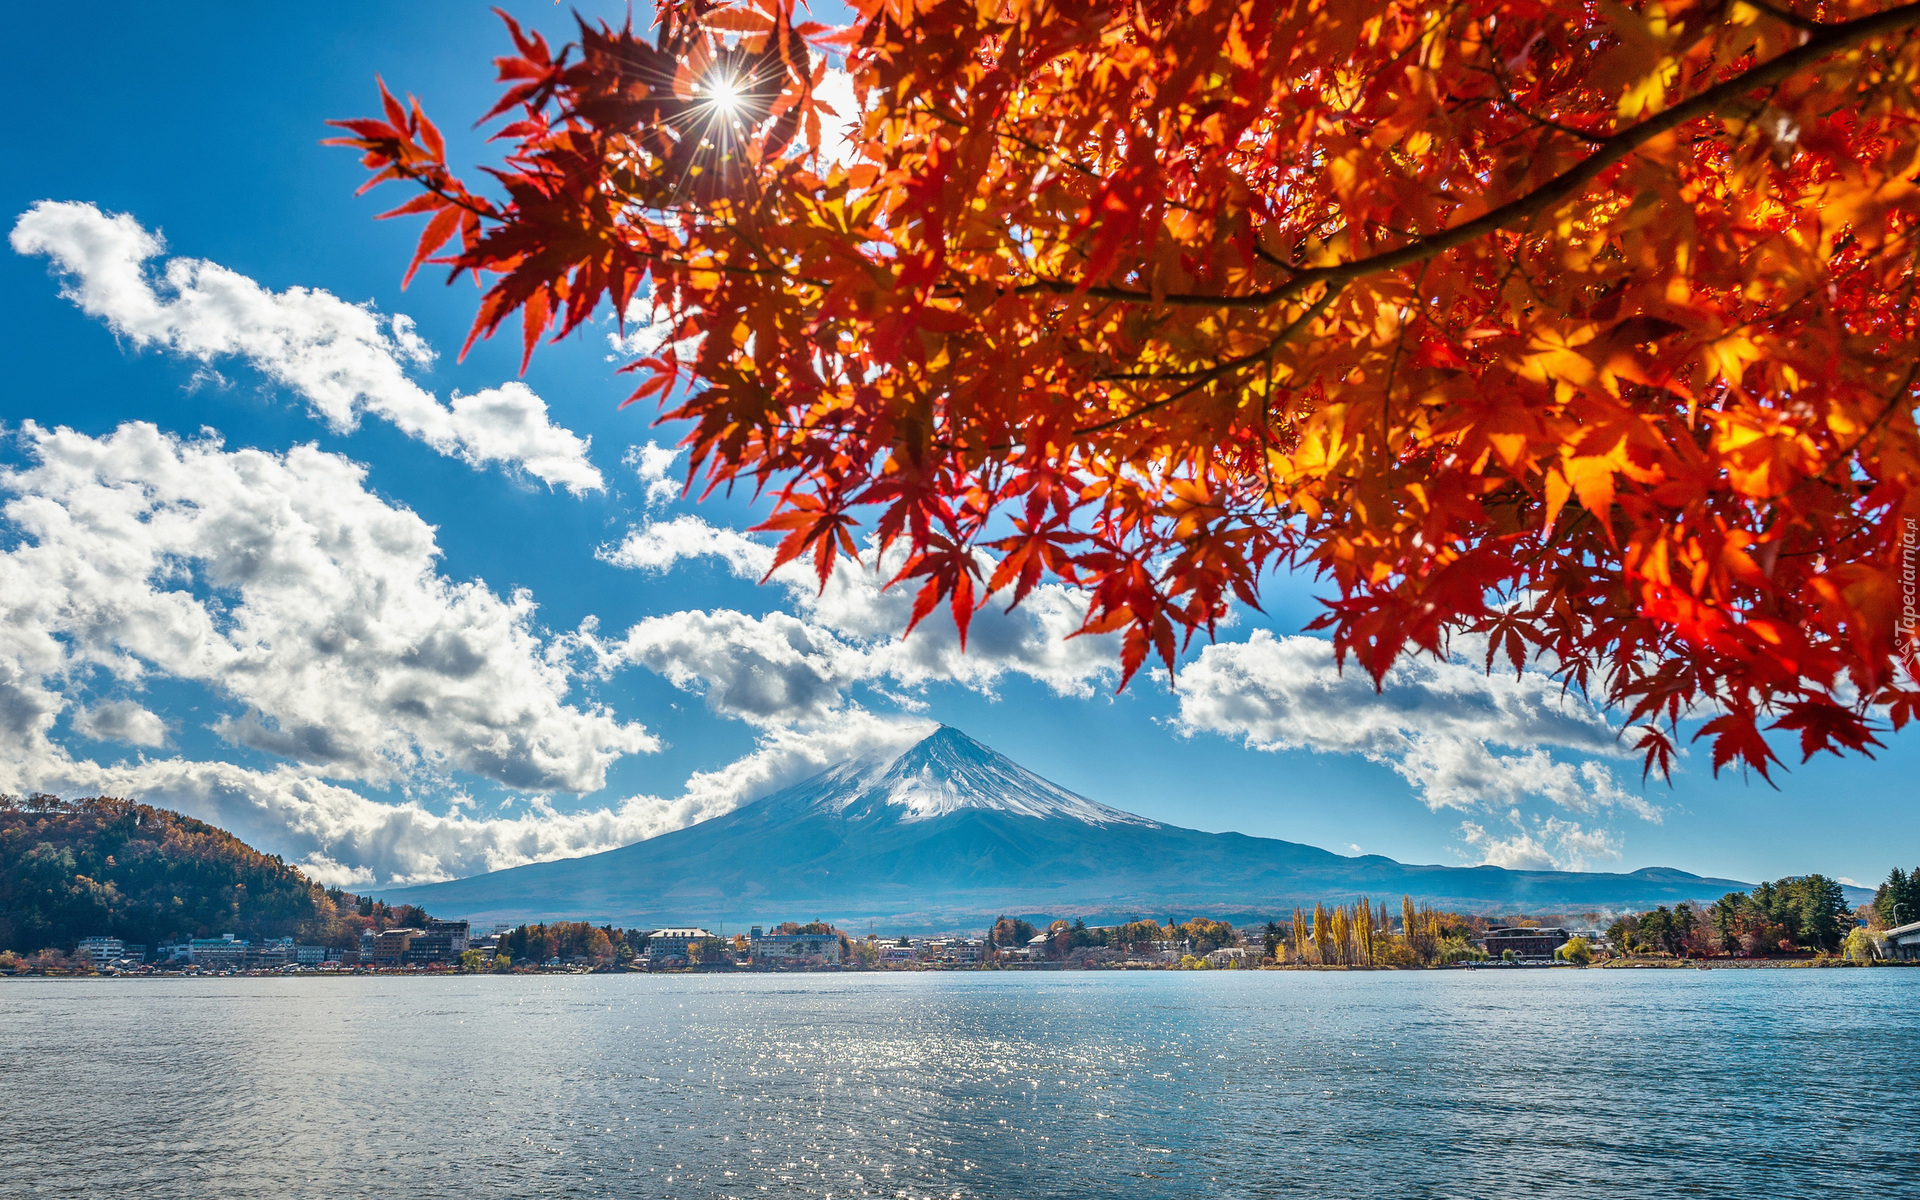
1644, 1084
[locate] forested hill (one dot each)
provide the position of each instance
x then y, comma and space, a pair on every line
74, 868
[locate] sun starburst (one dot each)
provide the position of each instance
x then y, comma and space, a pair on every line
724, 92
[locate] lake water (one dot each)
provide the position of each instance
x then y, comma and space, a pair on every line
1640, 1084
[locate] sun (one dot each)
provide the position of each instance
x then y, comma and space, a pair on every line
724, 92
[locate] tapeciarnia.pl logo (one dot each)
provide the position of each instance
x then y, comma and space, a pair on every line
1909, 625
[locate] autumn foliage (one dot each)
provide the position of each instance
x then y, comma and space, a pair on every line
1587, 327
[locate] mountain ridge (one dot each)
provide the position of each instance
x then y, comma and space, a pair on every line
951, 833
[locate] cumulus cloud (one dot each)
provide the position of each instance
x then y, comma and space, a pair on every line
774, 669
339, 836
797, 666
120, 721
311, 604
645, 326
656, 546
344, 358
651, 463
1552, 844
1463, 738
316, 610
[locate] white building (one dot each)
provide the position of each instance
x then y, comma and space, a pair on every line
666, 944
101, 950
219, 953
792, 949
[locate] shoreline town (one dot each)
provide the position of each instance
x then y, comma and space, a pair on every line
445, 947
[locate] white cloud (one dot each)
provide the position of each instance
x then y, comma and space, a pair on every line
775, 669
782, 668
344, 358
120, 721
340, 837
645, 327
315, 608
1552, 844
1435, 723
651, 463
283, 584
656, 546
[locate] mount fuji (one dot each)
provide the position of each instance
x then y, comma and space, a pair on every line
951, 833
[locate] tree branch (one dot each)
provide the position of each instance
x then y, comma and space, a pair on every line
1608, 151
1203, 378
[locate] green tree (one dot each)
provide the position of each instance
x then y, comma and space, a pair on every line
1897, 902
1577, 951
1822, 903
1726, 915
1623, 934
1656, 930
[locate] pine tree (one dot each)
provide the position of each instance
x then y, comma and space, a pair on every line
1821, 905
1898, 900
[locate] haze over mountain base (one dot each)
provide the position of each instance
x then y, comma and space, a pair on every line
952, 833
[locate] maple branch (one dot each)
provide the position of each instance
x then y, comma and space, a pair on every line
1294, 326
1892, 406
1519, 211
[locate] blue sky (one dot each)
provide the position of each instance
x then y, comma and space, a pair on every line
392, 654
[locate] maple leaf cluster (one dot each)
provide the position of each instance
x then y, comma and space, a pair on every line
1586, 326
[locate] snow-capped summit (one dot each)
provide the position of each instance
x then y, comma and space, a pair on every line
948, 772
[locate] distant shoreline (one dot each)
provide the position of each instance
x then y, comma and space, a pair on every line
1763, 964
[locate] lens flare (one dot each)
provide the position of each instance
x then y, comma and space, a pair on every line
724, 93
